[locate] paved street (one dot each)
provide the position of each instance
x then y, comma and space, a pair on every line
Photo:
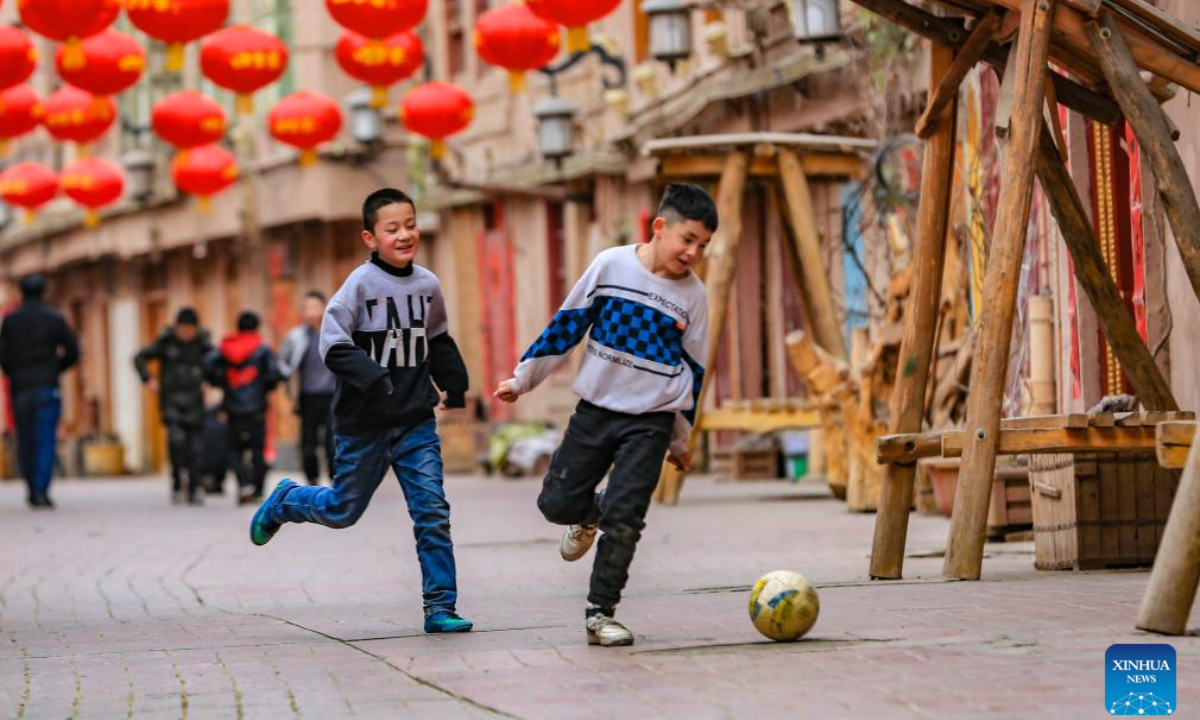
118, 606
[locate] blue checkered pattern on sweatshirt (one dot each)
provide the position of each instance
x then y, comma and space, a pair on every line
638, 330
563, 333
697, 383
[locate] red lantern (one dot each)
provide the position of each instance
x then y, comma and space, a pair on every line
28, 185
69, 21
204, 172
115, 61
74, 115
305, 120
21, 110
515, 38
377, 19
18, 57
177, 22
188, 119
93, 184
575, 14
437, 110
380, 64
243, 59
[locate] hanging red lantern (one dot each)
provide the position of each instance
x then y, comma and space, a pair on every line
18, 57
376, 19
517, 39
380, 64
21, 110
204, 172
114, 62
188, 119
575, 14
437, 110
74, 115
93, 184
177, 22
243, 59
28, 185
69, 21
305, 120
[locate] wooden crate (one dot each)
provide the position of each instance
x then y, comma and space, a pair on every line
1098, 511
1011, 507
463, 444
756, 465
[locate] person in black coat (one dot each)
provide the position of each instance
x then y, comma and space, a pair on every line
246, 370
36, 346
180, 351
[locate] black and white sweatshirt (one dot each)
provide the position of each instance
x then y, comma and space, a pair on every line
385, 335
647, 337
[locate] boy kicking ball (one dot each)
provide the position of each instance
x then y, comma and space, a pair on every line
385, 337
638, 383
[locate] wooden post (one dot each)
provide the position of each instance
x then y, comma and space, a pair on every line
1097, 283
1041, 356
916, 345
1154, 138
720, 265
1172, 588
944, 92
826, 327
968, 524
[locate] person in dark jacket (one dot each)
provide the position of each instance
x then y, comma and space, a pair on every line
246, 370
180, 351
36, 346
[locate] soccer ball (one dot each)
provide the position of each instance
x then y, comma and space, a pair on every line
784, 605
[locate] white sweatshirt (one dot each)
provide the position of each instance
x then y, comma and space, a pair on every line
648, 337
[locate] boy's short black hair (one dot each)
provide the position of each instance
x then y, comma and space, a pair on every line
247, 321
688, 202
380, 199
187, 316
315, 295
33, 287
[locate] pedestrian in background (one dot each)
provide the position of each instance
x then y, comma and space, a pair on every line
36, 346
311, 386
180, 351
246, 371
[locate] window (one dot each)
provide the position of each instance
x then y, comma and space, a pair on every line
455, 44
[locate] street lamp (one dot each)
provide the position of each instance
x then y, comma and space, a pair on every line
556, 127
670, 30
366, 125
139, 173
815, 21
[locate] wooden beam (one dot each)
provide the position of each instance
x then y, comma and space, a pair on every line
1173, 442
822, 164
968, 522
720, 268
1162, 21
1073, 48
950, 33
1091, 7
802, 217
1154, 140
910, 447
920, 326
1097, 283
946, 91
1043, 441
1176, 573
760, 421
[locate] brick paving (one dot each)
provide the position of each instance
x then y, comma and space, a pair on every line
119, 606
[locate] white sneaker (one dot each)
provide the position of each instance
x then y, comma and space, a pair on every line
576, 541
604, 631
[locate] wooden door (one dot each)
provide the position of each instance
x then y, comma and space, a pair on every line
499, 323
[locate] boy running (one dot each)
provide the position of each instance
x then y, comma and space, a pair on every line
385, 337
638, 384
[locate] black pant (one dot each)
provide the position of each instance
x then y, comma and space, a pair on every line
316, 430
634, 446
185, 444
248, 434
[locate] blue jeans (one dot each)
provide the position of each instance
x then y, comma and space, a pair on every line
360, 464
37, 413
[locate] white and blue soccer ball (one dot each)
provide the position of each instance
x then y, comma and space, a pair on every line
784, 605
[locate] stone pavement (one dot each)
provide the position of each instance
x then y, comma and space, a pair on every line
119, 606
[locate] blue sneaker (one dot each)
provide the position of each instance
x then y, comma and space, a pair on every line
262, 528
447, 621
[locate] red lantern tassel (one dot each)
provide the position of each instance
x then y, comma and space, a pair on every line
91, 219
517, 83
73, 57
437, 149
379, 96
28, 218
245, 104
174, 61
204, 204
578, 40
308, 158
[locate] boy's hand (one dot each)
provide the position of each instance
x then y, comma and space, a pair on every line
505, 393
683, 462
